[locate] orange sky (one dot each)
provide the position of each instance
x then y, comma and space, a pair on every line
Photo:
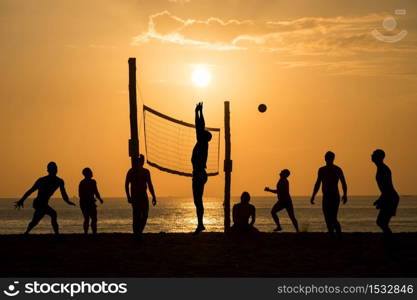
328, 82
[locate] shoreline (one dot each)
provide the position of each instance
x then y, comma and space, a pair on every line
207, 198
209, 254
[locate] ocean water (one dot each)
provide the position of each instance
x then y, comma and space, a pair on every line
175, 214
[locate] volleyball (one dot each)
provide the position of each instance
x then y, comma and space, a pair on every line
262, 108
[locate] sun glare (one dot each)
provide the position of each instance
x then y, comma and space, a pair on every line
201, 77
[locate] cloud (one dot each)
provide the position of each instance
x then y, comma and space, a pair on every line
212, 33
309, 35
337, 36
179, 1
303, 39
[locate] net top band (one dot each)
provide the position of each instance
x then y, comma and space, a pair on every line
147, 108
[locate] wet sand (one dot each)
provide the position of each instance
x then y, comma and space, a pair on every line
208, 255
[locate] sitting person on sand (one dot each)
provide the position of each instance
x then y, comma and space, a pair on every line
242, 212
88, 192
284, 200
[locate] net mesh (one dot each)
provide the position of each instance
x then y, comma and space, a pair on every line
170, 142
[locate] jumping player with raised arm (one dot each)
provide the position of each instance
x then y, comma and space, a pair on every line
199, 161
46, 187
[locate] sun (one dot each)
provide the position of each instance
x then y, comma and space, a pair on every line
201, 77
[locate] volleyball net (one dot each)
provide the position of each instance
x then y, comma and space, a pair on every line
169, 144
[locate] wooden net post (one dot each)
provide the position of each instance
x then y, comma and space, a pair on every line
227, 166
134, 137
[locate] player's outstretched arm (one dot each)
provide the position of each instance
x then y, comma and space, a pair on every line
234, 214
203, 122
267, 189
253, 216
19, 204
150, 186
96, 193
127, 182
199, 120
316, 187
64, 193
197, 117
344, 187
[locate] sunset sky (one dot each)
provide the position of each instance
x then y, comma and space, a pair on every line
329, 84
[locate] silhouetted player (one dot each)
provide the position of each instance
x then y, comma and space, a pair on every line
328, 177
284, 200
388, 201
199, 160
87, 191
139, 180
241, 213
46, 187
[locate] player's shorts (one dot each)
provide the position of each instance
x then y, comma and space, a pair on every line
87, 204
88, 208
388, 204
199, 177
42, 208
40, 205
283, 204
140, 202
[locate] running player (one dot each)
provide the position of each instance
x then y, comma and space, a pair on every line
284, 200
46, 187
